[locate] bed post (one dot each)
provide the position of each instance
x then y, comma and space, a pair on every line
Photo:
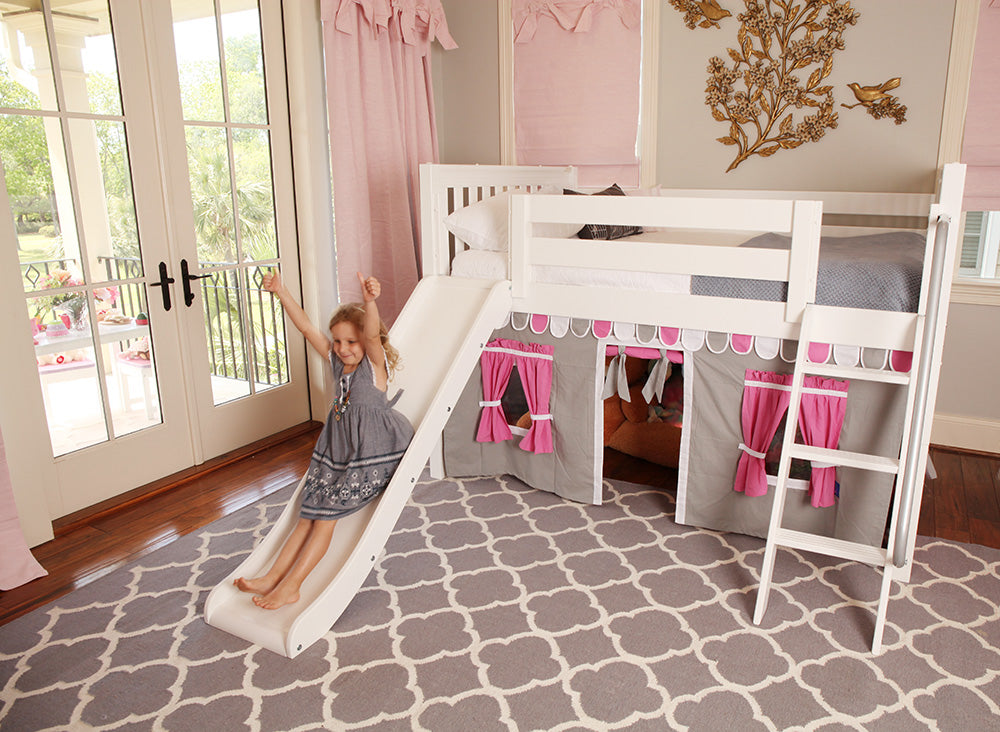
807, 219
434, 241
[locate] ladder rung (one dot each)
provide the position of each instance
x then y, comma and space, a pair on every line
845, 458
856, 372
831, 547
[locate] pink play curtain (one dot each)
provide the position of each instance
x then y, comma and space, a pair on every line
496, 363
534, 366
17, 566
763, 408
981, 143
535, 369
821, 418
576, 86
381, 117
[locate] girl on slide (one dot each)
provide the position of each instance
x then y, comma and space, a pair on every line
359, 448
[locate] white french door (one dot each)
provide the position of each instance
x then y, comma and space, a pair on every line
147, 185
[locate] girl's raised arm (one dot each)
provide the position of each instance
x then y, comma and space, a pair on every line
371, 288
317, 339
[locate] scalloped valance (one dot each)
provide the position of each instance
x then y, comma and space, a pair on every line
576, 16
687, 339
419, 22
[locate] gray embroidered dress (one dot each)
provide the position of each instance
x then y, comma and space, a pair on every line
355, 455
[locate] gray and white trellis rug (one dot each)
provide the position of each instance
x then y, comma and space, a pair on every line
497, 607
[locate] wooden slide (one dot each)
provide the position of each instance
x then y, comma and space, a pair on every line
440, 334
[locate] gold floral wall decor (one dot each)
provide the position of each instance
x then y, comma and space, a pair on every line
771, 91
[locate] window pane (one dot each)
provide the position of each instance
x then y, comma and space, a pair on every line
26, 69
87, 64
211, 194
244, 62
980, 255
255, 194
196, 43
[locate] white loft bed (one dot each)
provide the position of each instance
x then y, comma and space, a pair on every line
677, 225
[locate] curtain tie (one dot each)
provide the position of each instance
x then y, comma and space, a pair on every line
616, 379
657, 378
497, 403
754, 453
537, 417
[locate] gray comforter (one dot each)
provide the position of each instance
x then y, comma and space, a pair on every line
875, 272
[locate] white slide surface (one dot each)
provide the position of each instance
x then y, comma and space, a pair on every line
440, 334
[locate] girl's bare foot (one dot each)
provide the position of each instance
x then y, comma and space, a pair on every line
258, 585
278, 597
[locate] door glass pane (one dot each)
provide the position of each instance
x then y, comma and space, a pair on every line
39, 202
130, 360
255, 197
87, 64
67, 367
27, 70
244, 61
211, 194
100, 159
196, 43
224, 332
268, 320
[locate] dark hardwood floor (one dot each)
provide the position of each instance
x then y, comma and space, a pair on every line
962, 504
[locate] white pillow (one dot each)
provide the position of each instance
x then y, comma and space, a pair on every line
485, 224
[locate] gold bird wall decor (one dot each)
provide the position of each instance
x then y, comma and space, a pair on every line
877, 101
701, 13
770, 90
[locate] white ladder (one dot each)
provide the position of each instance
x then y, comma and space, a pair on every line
825, 325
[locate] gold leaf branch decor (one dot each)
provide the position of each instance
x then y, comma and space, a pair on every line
759, 91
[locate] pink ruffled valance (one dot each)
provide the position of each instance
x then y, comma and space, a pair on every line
576, 16
419, 22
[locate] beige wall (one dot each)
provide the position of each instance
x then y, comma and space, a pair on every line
905, 38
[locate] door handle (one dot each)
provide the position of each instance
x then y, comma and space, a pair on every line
164, 285
186, 278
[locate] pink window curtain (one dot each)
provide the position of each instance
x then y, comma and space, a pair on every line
496, 362
981, 143
821, 418
535, 369
381, 117
18, 565
576, 86
763, 409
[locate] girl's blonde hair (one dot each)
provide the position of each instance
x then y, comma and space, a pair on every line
354, 313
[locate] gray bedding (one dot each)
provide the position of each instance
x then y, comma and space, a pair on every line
875, 272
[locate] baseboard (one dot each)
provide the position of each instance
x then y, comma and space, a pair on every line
969, 433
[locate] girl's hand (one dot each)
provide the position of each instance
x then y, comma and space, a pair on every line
371, 288
272, 281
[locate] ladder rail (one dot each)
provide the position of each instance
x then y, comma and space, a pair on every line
784, 468
925, 365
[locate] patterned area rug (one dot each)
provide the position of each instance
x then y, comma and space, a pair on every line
497, 607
